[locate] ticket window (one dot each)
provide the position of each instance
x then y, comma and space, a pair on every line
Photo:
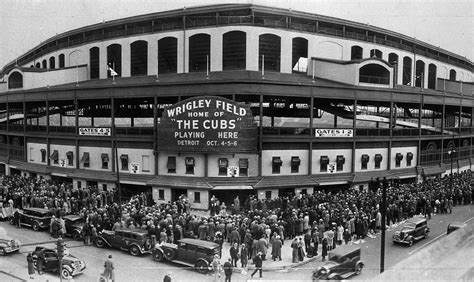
398, 159
276, 165
295, 164
223, 164
124, 162
364, 161
189, 162
70, 158
171, 165
243, 167
340, 161
54, 157
323, 163
105, 161
378, 160
409, 158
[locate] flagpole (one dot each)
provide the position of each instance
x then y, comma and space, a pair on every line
263, 66
207, 66
312, 69
77, 75
157, 67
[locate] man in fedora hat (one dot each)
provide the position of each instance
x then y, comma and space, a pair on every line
258, 264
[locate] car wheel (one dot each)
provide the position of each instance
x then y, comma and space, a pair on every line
410, 243
134, 251
11, 220
157, 256
358, 268
36, 226
76, 236
169, 254
99, 243
201, 267
3, 252
35, 263
66, 274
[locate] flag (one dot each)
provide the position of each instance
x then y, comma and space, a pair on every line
112, 72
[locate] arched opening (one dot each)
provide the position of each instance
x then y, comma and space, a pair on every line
419, 73
452, 75
199, 52
376, 53
38, 65
15, 80
432, 76
114, 58
45, 64
393, 58
61, 61
234, 50
52, 62
167, 55
94, 62
300, 55
356, 52
269, 46
374, 74
139, 58
406, 71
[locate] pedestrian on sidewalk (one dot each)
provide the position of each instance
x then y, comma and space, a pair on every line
324, 252
31, 266
294, 253
234, 254
228, 270
258, 265
216, 268
109, 269
40, 261
244, 252
276, 248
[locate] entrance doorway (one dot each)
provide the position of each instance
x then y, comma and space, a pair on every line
176, 193
129, 190
228, 196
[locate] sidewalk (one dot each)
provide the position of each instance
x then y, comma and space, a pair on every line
11, 272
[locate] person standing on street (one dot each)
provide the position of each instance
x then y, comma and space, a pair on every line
234, 254
258, 265
228, 270
40, 261
167, 277
31, 267
109, 269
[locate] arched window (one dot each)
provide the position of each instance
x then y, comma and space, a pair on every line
167, 55
45, 64
94, 62
376, 53
139, 58
234, 50
199, 52
38, 65
114, 58
452, 75
15, 80
393, 58
406, 71
374, 74
300, 55
269, 45
61, 61
52, 62
420, 73
356, 52
432, 76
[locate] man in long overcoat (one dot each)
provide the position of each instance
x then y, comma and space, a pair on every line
276, 248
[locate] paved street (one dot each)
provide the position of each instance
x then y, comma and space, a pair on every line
128, 268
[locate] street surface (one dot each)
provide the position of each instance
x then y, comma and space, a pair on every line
128, 268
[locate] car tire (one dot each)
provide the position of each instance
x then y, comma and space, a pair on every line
65, 273
134, 251
76, 236
3, 252
99, 243
35, 263
36, 226
358, 268
169, 254
158, 256
202, 267
410, 243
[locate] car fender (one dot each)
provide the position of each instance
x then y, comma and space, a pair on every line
334, 276
68, 267
103, 239
136, 245
205, 261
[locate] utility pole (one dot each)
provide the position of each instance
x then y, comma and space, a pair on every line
60, 249
383, 212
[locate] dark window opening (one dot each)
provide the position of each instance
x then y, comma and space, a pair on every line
223, 164
340, 161
375, 74
114, 59
276, 165
376, 53
189, 162
167, 55
269, 49
398, 159
419, 74
378, 159
161, 194
85, 159
61, 61
243, 167
393, 58
364, 161
432, 76
171, 165
45, 64
452, 75
124, 162
105, 161
406, 71
104, 187
268, 195
234, 50
70, 158
300, 55
356, 52
409, 158
199, 52
52, 62
323, 163
197, 197
79, 184
43, 155
38, 65
15, 80
94, 62
295, 164
139, 58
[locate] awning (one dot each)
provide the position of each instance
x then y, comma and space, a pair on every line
32, 167
402, 173
333, 178
432, 170
367, 176
287, 181
232, 187
180, 182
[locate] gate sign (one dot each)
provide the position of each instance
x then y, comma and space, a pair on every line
207, 124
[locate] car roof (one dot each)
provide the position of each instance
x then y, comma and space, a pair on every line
415, 220
135, 230
457, 224
344, 250
73, 217
201, 243
39, 210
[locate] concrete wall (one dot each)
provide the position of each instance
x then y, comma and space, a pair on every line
233, 160
332, 154
199, 164
285, 156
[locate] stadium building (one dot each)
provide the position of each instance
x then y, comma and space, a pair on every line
233, 100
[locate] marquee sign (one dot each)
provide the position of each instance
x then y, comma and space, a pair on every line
95, 131
207, 124
326, 132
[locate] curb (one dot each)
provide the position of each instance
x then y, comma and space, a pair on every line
276, 268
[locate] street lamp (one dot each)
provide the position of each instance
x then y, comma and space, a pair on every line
451, 153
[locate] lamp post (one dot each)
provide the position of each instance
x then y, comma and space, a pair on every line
451, 152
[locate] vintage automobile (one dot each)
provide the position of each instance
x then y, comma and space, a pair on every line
7, 244
412, 230
72, 266
134, 241
455, 226
36, 218
191, 252
343, 262
74, 224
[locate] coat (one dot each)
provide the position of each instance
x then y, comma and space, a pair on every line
109, 269
325, 248
262, 246
276, 248
294, 253
31, 267
244, 253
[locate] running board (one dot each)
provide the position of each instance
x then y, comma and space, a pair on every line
183, 262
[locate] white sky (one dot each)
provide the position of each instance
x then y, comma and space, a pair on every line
445, 23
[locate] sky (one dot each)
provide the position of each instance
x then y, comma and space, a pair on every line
445, 23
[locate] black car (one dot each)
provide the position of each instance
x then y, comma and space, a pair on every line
134, 241
74, 224
344, 261
71, 265
36, 218
412, 230
455, 226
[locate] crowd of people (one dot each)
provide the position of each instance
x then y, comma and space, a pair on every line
257, 225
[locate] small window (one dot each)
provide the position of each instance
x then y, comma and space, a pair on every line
146, 163
223, 164
124, 161
79, 184
197, 197
104, 187
161, 194
31, 154
54, 157
171, 165
323, 163
364, 161
70, 158
276, 165
43, 155
243, 167
295, 164
268, 195
340, 161
105, 161
378, 160
398, 159
85, 159
304, 191
409, 158
189, 162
